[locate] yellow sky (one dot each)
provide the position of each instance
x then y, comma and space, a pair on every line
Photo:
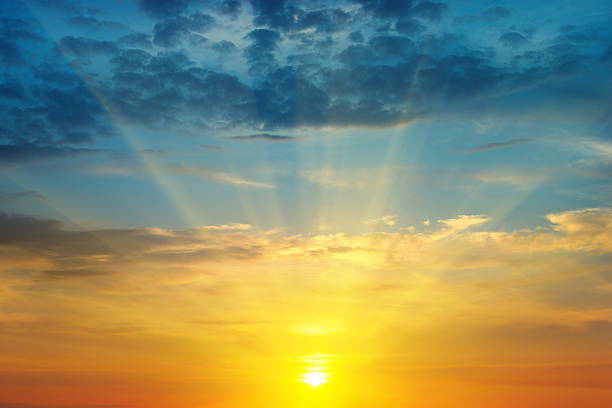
227, 316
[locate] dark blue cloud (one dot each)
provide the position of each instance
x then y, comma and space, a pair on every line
10, 54
87, 47
23, 194
409, 26
172, 31
356, 37
496, 13
380, 63
490, 15
429, 10
163, 8
513, 39
230, 7
398, 9
391, 46
15, 35
11, 89
28, 152
141, 40
63, 6
93, 24
386, 8
326, 21
278, 14
607, 54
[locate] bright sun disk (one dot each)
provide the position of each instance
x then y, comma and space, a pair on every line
315, 378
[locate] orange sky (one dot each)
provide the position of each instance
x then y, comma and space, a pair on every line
228, 316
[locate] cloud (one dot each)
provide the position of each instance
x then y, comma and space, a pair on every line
63, 6
86, 47
429, 10
385, 8
70, 274
217, 176
93, 24
133, 168
170, 32
513, 39
459, 224
11, 154
163, 8
213, 148
224, 227
12, 89
607, 54
67, 254
141, 40
24, 194
498, 145
288, 72
590, 221
230, 7
522, 178
328, 178
490, 15
268, 137
385, 220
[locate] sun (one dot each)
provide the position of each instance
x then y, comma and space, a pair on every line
315, 378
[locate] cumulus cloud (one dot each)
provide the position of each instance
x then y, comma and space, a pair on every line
170, 32
584, 230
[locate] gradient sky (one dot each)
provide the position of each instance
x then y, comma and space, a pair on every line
204, 201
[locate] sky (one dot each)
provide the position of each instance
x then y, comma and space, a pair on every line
343, 203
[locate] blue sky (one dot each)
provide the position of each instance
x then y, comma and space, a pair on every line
305, 116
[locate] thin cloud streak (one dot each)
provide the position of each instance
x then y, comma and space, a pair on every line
499, 145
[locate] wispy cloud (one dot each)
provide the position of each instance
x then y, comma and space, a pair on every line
327, 178
385, 220
217, 176
213, 148
24, 194
497, 145
268, 137
520, 178
130, 168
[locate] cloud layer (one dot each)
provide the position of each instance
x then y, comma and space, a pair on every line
294, 65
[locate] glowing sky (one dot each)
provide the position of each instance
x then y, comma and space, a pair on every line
273, 203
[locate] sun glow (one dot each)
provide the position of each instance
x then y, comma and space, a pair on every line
315, 378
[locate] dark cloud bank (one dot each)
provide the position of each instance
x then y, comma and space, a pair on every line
383, 67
